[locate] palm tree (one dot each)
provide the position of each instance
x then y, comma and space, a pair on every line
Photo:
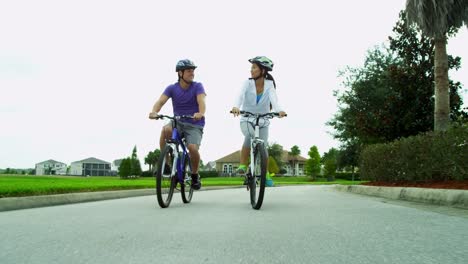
435, 19
295, 151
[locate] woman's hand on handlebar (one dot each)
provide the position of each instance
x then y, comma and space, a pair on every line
235, 111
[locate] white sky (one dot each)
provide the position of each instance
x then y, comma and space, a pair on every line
78, 78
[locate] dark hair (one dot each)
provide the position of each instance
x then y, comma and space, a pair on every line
268, 76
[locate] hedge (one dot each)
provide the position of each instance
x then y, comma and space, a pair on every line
432, 156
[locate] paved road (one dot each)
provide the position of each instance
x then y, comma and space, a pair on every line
297, 224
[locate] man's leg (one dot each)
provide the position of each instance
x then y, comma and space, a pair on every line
195, 160
166, 134
193, 135
195, 157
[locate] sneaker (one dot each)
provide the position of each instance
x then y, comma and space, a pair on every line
196, 183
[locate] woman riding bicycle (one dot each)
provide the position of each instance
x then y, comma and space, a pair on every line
258, 95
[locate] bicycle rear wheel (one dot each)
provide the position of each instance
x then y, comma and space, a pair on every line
165, 181
258, 179
186, 189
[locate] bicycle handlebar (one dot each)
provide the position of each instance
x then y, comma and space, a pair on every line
174, 117
247, 113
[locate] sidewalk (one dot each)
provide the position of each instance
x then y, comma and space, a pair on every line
447, 197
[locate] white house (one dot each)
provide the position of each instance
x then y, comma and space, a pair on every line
51, 167
91, 166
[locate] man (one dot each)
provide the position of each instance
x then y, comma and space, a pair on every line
188, 98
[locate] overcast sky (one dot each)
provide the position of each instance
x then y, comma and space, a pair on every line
78, 78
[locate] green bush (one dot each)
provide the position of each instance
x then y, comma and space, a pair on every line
431, 156
208, 174
348, 176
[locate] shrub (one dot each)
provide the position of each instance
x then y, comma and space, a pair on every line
431, 156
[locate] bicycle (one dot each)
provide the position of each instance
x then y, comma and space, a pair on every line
255, 178
167, 177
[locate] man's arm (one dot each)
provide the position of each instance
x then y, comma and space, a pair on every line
201, 106
158, 105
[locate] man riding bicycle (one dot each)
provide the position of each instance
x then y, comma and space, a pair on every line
188, 98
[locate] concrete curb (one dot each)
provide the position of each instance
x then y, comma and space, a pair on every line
447, 197
17, 203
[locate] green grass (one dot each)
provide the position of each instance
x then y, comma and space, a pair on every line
16, 186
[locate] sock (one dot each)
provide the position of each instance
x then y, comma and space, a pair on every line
242, 166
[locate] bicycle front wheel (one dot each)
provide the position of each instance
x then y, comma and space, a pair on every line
165, 181
186, 189
257, 182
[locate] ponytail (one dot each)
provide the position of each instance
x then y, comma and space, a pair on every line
268, 76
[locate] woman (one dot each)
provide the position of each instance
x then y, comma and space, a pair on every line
258, 96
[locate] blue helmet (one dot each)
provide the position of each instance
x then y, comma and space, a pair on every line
184, 65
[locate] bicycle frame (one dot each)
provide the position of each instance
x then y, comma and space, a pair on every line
253, 143
176, 141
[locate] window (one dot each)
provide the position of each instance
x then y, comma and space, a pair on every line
225, 168
230, 168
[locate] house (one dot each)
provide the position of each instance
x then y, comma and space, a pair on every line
91, 167
294, 166
210, 166
227, 165
51, 167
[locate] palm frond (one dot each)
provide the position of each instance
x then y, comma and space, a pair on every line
436, 17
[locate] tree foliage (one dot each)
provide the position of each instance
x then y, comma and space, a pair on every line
152, 159
329, 163
272, 166
312, 166
391, 96
276, 151
125, 168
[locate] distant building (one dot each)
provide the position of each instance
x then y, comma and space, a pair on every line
294, 166
91, 167
51, 167
210, 166
227, 165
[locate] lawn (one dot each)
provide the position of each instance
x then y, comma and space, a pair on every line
16, 186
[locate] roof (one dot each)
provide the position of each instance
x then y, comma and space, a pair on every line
92, 160
235, 157
50, 161
289, 157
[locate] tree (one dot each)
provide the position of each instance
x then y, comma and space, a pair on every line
329, 163
436, 19
135, 163
272, 166
276, 151
152, 158
348, 156
313, 163
125, 168
392, 95
295, 151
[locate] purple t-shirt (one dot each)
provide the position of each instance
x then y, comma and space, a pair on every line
184, 101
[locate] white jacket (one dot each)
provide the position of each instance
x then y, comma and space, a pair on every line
247, 100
